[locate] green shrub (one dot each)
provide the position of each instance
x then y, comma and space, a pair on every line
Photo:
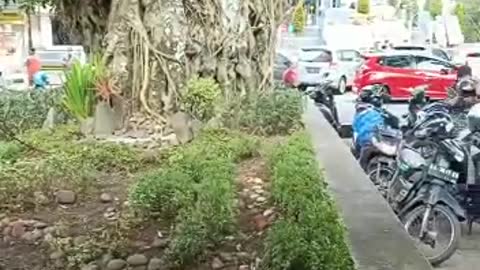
299, 17
195, 186
21, 111
274, 113
310, 234
363, 7
211, 217
165, 191
10, 151
201, 96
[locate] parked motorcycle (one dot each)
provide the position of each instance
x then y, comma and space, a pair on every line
323, 96
420, 194
426, 189
376, 134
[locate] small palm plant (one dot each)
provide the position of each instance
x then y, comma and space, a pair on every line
79, 93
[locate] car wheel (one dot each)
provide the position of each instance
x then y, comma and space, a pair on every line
342, 86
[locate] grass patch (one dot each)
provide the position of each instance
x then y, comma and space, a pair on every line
195, 188
310, 234
64, 163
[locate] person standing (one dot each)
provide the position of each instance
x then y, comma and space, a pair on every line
33, 65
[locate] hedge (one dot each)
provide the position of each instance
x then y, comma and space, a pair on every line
309, 234
196, 189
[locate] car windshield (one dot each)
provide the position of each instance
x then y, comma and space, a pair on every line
315, 55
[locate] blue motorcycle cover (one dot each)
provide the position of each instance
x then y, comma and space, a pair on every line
364, 125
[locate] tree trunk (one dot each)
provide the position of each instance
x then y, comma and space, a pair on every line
154, 47
29, 29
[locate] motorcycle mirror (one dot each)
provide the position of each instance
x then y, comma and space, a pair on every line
386, 98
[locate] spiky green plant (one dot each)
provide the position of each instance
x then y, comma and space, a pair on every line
79, 90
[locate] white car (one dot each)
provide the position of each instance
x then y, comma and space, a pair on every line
317, 64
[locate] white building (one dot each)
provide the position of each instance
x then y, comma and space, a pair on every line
14, 35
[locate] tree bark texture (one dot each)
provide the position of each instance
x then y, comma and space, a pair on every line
154, 46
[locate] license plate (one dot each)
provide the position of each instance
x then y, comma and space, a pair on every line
313, 70
443, 173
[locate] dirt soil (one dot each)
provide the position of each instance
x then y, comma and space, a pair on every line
89, 215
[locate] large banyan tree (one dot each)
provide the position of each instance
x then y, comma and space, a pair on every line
154, 46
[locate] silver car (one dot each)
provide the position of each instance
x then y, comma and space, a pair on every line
318, 64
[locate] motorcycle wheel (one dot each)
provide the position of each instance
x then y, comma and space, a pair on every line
380, 173
453, 222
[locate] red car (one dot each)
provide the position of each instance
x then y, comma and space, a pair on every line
401, 71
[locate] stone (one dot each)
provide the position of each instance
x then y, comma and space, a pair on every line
87, 126
50, 230
118, 111
244, 256
226, 257
4, 222
137, 134
32, 236
40, 225
40, 198
79, 240
18, 229
116, 264
268, 212
261, 199
104, 124
171, 139
159, 242
48, 237
65, 197
7, 231
257, 180
254, 196
56, 255
244, 267
137, 259
155, 264
180, 123
260, 222
51, 120
196, 126
105, 259
149, 156
257, 187
106, 198
217, 263
90, 267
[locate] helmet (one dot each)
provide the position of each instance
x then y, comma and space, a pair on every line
466, 86
473, 118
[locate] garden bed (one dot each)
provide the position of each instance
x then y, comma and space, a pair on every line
227, 200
